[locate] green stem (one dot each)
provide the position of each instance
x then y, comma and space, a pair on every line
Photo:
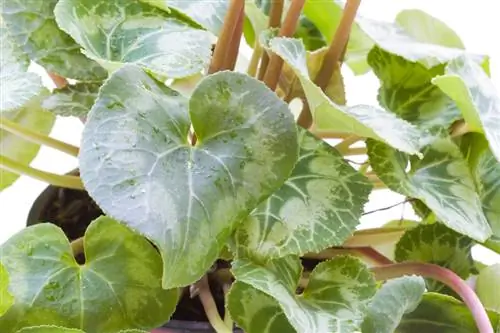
338, 44
445, 276
36, 137
287, 29
51, 178
210, 307
354, 151
228, 28
375, 236
346, 143
254, 61
227, 316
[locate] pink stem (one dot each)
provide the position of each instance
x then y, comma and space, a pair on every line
445, 276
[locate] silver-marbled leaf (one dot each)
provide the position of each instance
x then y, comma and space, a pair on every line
208, 14
118, 287
72, 100
18, 85
137, 163
471, 88
361, 120
394, 299
6, 298
318, 206
117, 32
32, 26
441, 179
334, 300
437, 244
255, 311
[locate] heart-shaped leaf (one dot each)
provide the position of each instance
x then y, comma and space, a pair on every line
406, 90
72, 100
138, 165
467, 83
116, 32
361, 120
208, 14
318, 206
255, 311
18, 86
31, 116
439, 313
428, 29
6, 299
437, 244
33, 27
391, 302
442, 180
334, 300
119, 286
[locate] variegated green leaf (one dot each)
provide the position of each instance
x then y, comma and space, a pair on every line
6, 299
487, 287
32, 26
487, 173
406, 90
394, 39
57, 329
439, 313
318, 206
467, 83
361, 120
326, 16
18, 86
428, 29
208, 14
441, 180
255, 311
72, 100
391, 302
118, 288
137, 163
437, 244
256, 22
33, 117
334, 300
116, 32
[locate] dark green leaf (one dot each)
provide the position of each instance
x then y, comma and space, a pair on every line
334, 300
33, 27
209, 14
57, 329
406, 90
72, 100
138, 165
442, 314
18, 86
467, 83
119, 287
318, 206
428, 29
360, 120
33, 117
441, 180
436, 244
117, 32
255, 311
391, 302
487, 287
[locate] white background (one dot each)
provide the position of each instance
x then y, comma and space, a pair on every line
476, 22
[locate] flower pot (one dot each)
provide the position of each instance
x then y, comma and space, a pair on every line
73, 210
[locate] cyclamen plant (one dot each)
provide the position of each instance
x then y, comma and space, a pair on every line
213, 181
